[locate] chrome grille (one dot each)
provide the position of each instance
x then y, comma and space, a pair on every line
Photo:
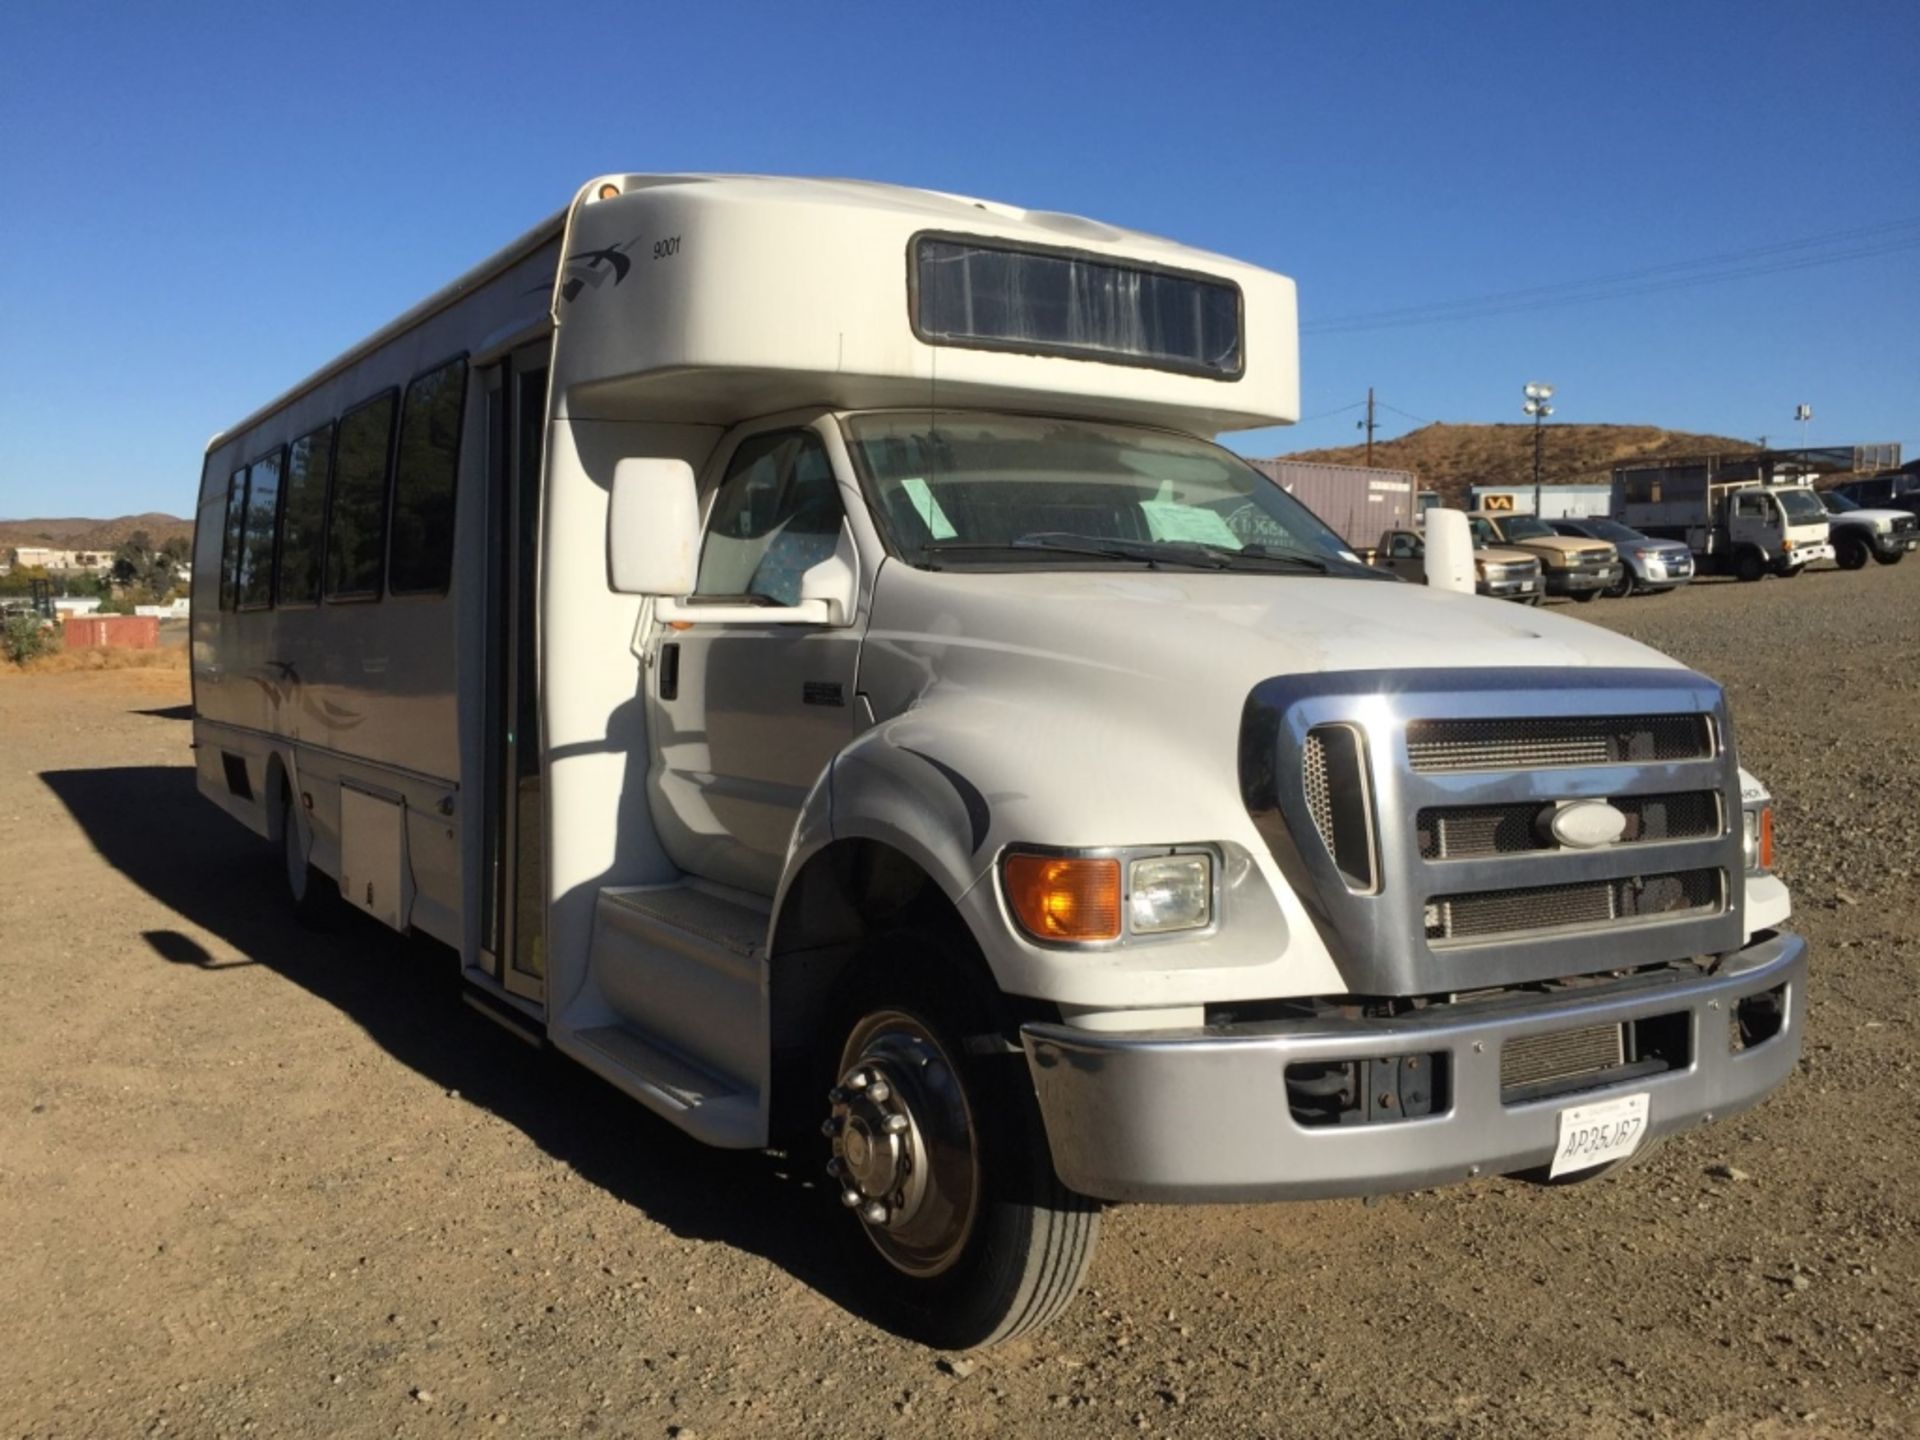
1313, 774
1468, 831
1560, 1056
1536, 909
1547, 743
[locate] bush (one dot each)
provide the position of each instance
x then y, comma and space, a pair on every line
27, 637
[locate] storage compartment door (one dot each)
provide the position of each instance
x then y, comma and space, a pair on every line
373, 856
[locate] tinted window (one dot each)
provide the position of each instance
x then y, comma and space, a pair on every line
263, 514
423, 482
970, 293
357, 511
232, 536
303, 514
777, 515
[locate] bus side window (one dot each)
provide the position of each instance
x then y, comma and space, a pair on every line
420, 560
255, 586
357, 506
232, 536
303, 513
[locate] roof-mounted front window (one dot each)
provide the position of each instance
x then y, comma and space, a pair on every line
990, 295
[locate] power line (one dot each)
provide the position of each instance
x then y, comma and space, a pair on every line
1777, 258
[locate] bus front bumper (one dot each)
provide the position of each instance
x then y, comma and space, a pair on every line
1204, 1115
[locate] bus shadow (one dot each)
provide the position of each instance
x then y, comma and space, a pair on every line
150, 823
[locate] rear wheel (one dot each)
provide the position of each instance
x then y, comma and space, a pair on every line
1890, 557
1851, 552
941, 1157
314, 897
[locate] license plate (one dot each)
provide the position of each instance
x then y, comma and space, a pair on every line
1911, 544
1595, 1134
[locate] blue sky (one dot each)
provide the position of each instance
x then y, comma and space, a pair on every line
199, 205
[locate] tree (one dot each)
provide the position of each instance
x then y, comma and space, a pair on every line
178, 549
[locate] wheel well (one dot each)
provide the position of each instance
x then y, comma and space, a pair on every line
847, 896
277, 796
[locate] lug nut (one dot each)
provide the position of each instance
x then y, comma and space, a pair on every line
894, 1124
874, 1213
836, 1096
834, 1167
858, 1080
830, 1126
850, 1197
879, 1092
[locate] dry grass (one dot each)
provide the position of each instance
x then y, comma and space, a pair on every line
68, 662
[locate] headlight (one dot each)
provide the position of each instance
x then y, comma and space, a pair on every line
1170, 892
1757, 842
1480, 568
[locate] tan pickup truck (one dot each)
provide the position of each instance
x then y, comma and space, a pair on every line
1573, 564
1503, 573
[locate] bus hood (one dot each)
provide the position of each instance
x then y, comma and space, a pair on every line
1212, 635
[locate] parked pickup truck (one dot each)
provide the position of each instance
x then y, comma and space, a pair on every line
1503, 573
1572, 565
1886, 535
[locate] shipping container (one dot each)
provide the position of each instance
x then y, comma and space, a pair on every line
1358, 502
1557, 502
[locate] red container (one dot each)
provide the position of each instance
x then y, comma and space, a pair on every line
113, 632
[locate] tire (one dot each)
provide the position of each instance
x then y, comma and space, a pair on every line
979, 1241
1539, 1176
1786, 571
1749, 567
1851, 552
1623, 587
312, 894
1585, 597
1894, 559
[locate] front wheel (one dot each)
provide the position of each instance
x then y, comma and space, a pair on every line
1786, 570
940, 1155
1851, 553
1623, 587
1749, 567
1586, 597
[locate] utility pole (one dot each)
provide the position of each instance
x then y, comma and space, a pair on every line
1367, 425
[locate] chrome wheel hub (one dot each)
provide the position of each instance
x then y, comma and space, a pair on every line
903, 1143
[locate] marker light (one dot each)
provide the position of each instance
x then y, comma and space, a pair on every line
1064, 897
1758, 839
609, 190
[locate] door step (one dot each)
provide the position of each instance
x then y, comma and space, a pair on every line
521, 1022
709, 1107
681, 969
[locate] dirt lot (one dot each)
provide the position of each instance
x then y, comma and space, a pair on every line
255, 1182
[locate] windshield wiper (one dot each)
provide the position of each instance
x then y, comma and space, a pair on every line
1064, 543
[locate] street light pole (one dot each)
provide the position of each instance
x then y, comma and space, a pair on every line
1537, 396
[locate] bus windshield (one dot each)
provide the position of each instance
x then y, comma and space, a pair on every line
966, 488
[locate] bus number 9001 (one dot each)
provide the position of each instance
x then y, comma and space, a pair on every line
662, 249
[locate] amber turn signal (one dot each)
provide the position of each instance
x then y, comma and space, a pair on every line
1064, 897
1766, 838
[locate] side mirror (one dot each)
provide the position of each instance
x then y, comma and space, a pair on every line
835, 581
1449, 551
653, 528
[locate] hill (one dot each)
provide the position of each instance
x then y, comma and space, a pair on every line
1449, 458
84, 534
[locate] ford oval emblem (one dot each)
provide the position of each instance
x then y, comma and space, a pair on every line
1584, 824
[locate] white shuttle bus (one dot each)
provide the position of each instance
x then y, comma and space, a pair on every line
799, 644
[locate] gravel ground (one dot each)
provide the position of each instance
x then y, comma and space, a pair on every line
255, 1182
